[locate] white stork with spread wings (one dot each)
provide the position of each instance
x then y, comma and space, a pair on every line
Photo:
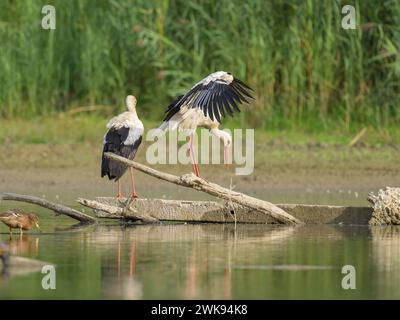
209, 100
123, 138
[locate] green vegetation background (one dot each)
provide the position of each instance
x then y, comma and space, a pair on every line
309, 74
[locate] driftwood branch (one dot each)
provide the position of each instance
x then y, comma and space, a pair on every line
57, 208
191, 181
119, 212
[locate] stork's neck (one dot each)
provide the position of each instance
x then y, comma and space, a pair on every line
133, 113
130, 102
222, 135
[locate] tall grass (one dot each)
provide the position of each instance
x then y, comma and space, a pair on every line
305, 69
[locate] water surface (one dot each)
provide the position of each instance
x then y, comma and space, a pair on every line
206, 261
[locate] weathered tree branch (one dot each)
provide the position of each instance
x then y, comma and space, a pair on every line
117, 211
191, 181
57, 208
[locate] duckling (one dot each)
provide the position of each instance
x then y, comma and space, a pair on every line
18, 219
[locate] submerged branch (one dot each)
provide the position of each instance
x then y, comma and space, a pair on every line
57, 208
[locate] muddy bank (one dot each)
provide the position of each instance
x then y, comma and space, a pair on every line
283, 174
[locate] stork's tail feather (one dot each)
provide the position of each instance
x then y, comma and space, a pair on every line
106, 168
112, 169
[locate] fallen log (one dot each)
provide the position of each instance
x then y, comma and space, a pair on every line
57, 208
191, 181
223, 212
119, 210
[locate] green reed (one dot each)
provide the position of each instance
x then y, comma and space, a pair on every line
305, 69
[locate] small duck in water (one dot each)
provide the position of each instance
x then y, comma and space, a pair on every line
18, 219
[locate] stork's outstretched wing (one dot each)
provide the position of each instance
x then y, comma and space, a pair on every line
216, 95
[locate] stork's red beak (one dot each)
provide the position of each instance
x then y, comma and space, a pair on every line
226, 157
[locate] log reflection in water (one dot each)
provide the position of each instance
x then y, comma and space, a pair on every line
180, 247
386, 248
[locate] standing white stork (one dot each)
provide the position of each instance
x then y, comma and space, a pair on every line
203, 106
123, 138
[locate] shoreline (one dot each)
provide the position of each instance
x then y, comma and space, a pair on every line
331, 175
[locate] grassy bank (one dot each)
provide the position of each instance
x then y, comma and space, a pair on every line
61, 156
65, 129
306, 70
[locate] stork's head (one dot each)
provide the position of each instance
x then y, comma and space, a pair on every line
131, 103
226, 139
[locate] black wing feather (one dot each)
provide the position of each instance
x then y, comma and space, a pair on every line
173, 108
206, 102
226, 106
243, 85
213, 99
210, 106
201, 97
231, 101
114, 142
186, 98
243, 90
220, 107
236, 96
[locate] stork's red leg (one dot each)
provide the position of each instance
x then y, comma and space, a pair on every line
119, 194
134, 194
192, 156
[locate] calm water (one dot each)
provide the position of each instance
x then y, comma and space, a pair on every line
186, 261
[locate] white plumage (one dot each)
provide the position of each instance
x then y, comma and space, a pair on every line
206, 103
123, 138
